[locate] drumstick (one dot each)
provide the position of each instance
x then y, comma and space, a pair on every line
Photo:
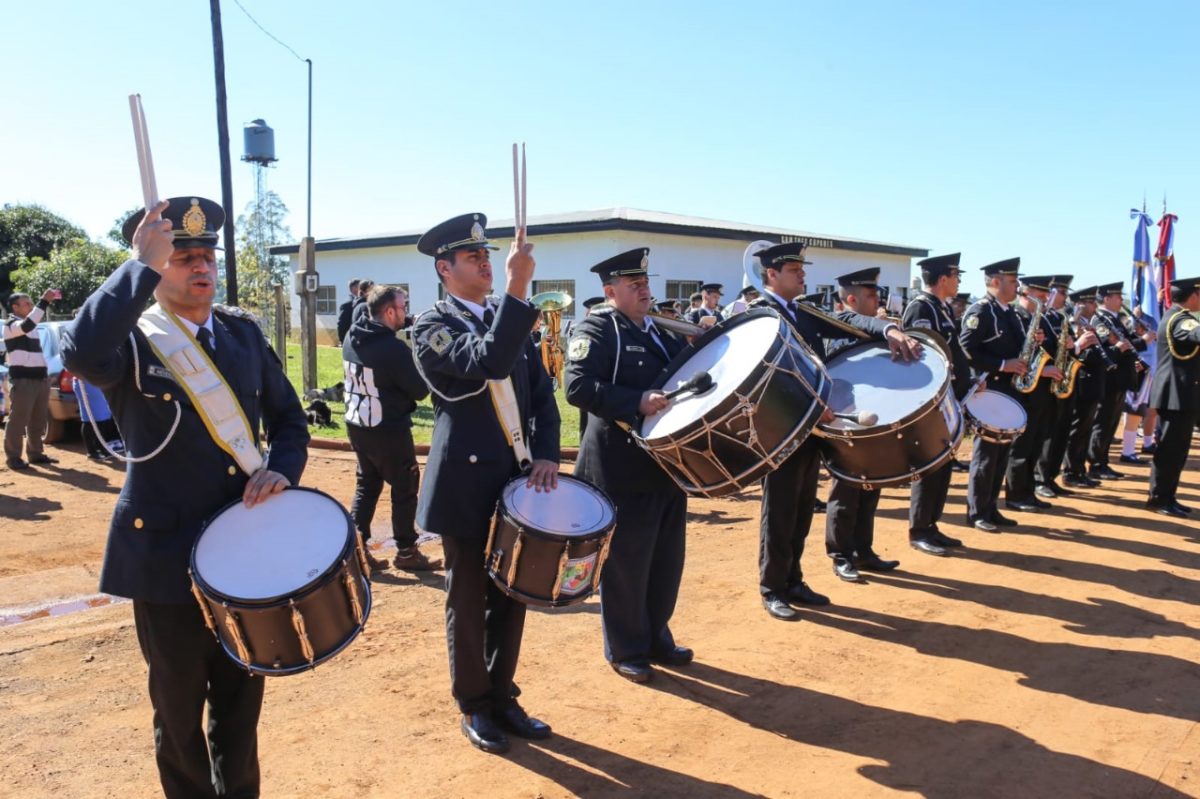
141, 140
524, 190
834, 321
699, 383
862, 418
516, 193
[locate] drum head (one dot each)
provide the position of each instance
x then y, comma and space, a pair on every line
573, 509
274, 549
997, 410
729, 357
865, 378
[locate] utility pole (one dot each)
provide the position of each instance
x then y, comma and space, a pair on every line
231, 286
309, 279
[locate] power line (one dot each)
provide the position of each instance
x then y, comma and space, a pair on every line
267, 32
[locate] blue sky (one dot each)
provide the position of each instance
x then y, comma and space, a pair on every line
996, 129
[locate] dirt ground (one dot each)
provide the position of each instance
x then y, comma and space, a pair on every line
1058, 659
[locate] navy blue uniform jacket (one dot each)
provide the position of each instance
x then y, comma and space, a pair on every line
470, 458
167, 499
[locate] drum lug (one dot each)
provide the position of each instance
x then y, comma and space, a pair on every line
362, 556
601, 560
352, 590
516, 557
562, 570
235, 632
301, 632
204, 611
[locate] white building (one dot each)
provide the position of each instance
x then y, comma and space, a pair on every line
684, 253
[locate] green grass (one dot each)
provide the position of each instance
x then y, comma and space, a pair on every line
329, 372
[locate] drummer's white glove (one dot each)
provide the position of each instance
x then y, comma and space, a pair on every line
652, 402
904, 348
543, 475
263, 484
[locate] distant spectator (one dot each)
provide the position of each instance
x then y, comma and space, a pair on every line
346, 311
28, 401
93, 405
361, 312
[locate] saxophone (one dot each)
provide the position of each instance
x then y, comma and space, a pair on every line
1064, 387
1031, 353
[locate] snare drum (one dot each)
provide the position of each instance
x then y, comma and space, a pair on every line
767, 392
918, 423
283, 585
995, 417
549, 548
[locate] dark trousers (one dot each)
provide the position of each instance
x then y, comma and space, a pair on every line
640, 582
989, 462
109, 433
1174, 441
928, 501
850, 519
28, 410
385, 454
1104, 428
1054, 446
483, 629
1082, 420
788, 494
188, 668
1028, 446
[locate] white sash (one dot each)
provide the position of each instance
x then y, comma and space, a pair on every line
210, 394
504, 400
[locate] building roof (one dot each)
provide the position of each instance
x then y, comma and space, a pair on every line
624, 219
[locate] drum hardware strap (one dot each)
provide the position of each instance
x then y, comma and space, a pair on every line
603, 557
352, 591
235, 632
562, 570
516, 556
504, 400
204, 611
362, 556
301, 632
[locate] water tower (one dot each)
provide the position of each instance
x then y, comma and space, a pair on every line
258, 148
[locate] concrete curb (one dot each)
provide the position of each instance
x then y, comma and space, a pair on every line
338, 445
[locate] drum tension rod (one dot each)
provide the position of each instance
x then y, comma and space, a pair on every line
235, 632
301, 632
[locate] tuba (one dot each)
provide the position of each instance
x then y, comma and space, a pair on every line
552, 304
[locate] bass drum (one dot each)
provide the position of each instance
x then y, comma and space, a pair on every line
768, 390
918, 423
284, 585
995, 417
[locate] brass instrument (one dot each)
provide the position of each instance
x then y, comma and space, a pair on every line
1031, 352
552, 304
1102, 332
1064, 387
681, 326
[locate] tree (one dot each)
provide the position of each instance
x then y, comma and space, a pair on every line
30, 231
114, 233
261, 227
77, 270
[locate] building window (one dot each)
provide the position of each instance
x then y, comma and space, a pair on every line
830, 292
326, 300
681, 290
558, 285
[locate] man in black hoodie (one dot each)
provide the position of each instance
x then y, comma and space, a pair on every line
383, 387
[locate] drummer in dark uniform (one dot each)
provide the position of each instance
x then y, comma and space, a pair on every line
1097, 365
178, 478
1038, 403
992, 337
613, 359
1053, 448
1176, 394
711, 306
930, 310
461, 343
850, 519
790, 492
1123, 348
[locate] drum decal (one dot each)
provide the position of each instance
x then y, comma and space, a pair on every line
576, 577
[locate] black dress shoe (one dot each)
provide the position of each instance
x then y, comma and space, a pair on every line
483, 733
1045, 491
844, 569
928, 546
633, 671
985, 525
1002, 520
1080, 481
1104, 473
803, 594
1150, 450
818, 506
17, 464
1180, 506
944, 540
679, 656
1130, 458
778, 607
1168, 510
514, 719
43, 460
1057, 489
1022, 505
873, 563
1039, 504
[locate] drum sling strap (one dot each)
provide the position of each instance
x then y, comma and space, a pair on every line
504, 401
211, 396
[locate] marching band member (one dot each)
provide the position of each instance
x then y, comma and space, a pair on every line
931, 310
790, 492
1124, 378
461, 344
1089, 387
992, 337
1176, 395
710, 309
168, 497
1058, 415
613, 358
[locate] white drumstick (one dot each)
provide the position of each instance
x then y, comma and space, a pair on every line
524, 190
862, 418
516, 193
141, 140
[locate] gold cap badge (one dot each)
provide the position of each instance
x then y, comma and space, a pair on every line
194, 221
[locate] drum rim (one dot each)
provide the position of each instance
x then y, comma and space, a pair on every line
919, 413
891, 482
559, 537
280, 599
977, 423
